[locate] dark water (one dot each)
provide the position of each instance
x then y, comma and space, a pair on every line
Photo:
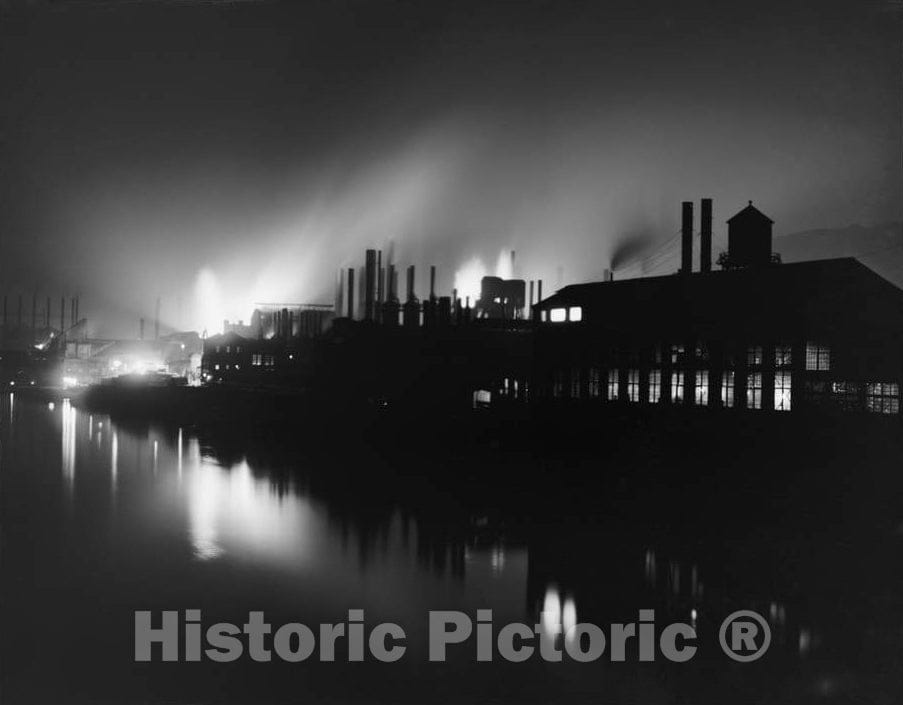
100, 520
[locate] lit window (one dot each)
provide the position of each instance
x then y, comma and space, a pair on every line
677, 387
754, 356
783, 356
818, 357
217, 348
701, 396
543, 316
228, 348
782, 385
594, 383
846, 395
655, 386
558, 384
558, 315
727, 389
754, 391
633, 385
257, 359
482, 397
575, 384
702, 351
238, 348
268, 361
883, 397
613, 385
575, 314
677, 353
216, 366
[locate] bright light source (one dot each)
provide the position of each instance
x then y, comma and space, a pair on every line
469, 279
51, 405
70, 382
575, 313
558, 315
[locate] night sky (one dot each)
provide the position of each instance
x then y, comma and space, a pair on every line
218, 154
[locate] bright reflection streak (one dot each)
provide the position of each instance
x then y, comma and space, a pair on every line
550, 619
68, 440
114, 459
12, 403
155, 455
90, 426
179, 454
230, 508
569, 618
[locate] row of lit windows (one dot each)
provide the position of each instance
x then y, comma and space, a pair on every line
262, 360
876, 397
572, 314
631, 391
228, 349
818, 357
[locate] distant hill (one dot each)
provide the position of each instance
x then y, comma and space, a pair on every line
880, 247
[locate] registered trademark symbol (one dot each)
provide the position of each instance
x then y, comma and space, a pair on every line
745, 636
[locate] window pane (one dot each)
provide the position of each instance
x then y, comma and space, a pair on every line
557, 315
575, 313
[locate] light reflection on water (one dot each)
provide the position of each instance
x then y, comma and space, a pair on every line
185, 528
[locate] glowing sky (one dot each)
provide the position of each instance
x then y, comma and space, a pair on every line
250, 149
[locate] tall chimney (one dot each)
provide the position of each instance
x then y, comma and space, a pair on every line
156, 318
47, 314
530, 307
350, 302
62, 313
369, 284
141, 329
72, 320
432, 282
686, 237
409, 296
705, 235
512, 264
539, 290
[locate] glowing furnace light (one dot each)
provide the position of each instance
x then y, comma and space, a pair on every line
558, 315
469, 279
208, 302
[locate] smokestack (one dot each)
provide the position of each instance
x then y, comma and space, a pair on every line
512, 264
369, 283
77, 300
72, 313
350, 301
432, 283
380, 286
705, 235
686, 238
47, 313
140, 329
62, 313
539, 291
410, 293
156, 318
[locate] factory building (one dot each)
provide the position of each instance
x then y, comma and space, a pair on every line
757, 335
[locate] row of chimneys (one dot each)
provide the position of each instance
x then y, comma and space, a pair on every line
379, 291
705, 236
46, 313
